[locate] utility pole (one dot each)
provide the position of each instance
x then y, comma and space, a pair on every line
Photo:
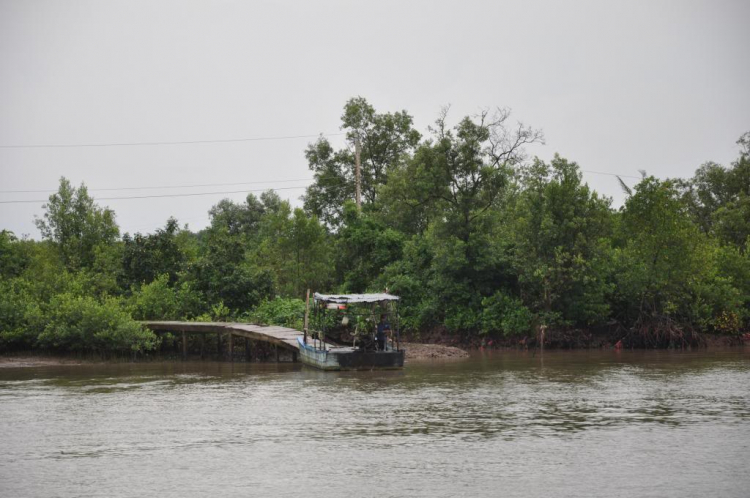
357, 174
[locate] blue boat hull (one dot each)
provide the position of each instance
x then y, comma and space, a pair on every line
342, 358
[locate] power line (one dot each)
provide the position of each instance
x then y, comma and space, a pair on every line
186, 142
181, 221
160, 186
319, 181
36, 201
206, 185
157, 187
611, 174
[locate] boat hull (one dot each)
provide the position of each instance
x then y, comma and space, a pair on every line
349, 358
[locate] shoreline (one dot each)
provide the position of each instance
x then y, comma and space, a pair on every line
29, 360
415, 351
573, 340
426, 351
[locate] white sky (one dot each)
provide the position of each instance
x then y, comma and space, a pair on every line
615, 86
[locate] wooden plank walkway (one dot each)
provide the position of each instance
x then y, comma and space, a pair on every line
279, 336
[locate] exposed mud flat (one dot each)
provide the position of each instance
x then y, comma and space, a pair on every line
35, 361
420, 351
414, 351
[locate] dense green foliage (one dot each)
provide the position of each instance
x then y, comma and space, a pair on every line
476, 238
287, 312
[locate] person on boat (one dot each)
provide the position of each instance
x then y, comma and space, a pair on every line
383, 328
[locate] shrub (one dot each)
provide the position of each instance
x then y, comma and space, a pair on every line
17, 309
506, 314
81, 324
287, 312
190, 302
155, 301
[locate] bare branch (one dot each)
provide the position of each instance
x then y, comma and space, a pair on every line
625, 187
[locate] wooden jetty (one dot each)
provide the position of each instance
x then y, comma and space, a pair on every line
280, 337
317, 352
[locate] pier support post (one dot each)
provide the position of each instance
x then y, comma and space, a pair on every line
248, 356
231, 347
184, 346
294, 356
203, 345
218, 346
276, 352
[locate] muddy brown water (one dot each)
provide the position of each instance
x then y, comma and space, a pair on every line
661, 424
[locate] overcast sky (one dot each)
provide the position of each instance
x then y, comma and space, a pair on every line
615, 86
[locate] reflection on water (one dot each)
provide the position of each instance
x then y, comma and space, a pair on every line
510, 424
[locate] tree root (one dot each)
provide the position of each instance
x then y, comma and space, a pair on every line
660, 332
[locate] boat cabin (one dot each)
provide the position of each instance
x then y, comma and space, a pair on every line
352, 331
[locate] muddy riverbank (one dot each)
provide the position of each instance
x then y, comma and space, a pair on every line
420, 351
571, 339
414, 351
35, 361
444, 349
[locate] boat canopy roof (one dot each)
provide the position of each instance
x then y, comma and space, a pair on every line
354, 298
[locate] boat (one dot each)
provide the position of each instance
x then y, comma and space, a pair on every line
360, 311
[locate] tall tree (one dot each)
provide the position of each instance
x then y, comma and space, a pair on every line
76, 225
145, 257
559, 230
364, 247
385, 139
226, 270
295, 248
664, 254
14, 255
459, 174
238, 218
452, 185
225, 274
718, 198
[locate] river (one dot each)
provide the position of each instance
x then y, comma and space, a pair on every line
571, 424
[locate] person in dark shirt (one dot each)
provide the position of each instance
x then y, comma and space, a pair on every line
380, 336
